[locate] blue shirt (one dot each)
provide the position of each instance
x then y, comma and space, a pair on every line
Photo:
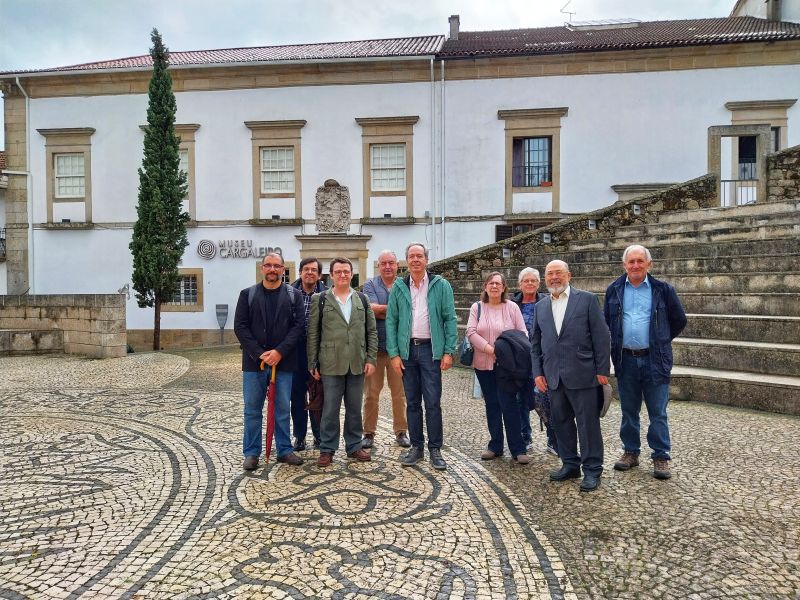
377, 293
636, 304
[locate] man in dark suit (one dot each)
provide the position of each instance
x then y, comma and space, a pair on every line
269, 324
570, 351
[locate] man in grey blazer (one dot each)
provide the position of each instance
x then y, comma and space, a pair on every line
570, 352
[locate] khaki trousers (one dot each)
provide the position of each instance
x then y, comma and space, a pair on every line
372, 392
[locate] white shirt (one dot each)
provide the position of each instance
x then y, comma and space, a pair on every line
559, 306
420, 323
346, 306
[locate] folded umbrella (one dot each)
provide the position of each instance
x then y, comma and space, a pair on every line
270, 414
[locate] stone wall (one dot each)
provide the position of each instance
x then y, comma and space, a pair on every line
783, 175
92, 325
697, 193
142, 339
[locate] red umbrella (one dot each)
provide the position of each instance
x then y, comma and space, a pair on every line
270, 414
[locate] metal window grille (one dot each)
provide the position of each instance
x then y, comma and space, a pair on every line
532, 162
277, 170
747, 157
2, 242
185, 291
388, 167
70, 175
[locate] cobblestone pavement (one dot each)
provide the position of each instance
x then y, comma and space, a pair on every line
122, 479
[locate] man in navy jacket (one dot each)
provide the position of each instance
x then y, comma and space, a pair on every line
644, 315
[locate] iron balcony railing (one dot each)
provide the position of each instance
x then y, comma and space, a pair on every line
3, 242
737, 192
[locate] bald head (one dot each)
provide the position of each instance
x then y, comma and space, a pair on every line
557, 277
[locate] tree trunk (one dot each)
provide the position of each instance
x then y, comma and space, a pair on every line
157, 326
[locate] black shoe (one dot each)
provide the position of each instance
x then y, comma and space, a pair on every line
413, 456
368, 441
402, 440
299, 445
317, 443
590, 483
565, 473
437, 462
250, 463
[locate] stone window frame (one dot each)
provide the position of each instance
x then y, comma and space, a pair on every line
533, 123
198, 307
289, 271
68, 140
761, 112
387, 130
271, 134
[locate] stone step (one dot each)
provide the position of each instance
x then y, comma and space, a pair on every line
702, 214
724, 222
773, 393
30, 341
745, 328
665, 268
721, 235
764, 304
756, 357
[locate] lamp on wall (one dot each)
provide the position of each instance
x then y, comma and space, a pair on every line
276, 217
592, 224
462, 266
547, 238
387, 215
637, 210
506, 253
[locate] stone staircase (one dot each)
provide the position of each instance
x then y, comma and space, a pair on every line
737, 272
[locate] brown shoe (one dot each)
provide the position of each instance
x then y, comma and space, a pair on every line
489, 455
626, 461
368, 441
250, 463
661, 468
522, 459
290, 459
325, 459
360, 455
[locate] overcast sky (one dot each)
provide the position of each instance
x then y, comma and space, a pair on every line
36, 34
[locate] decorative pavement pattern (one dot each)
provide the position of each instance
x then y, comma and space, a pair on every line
127, 493
122, 479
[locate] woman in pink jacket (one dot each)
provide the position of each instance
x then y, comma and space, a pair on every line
498, 314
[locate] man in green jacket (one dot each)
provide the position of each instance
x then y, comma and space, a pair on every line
342, 349
421, 342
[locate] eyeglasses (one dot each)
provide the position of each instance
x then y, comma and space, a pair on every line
341, 273
271, 266
533, 281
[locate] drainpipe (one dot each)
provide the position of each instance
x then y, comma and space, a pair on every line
443, 237
433, 161
774, 10
28, 186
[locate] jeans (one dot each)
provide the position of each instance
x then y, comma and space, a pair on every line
254, 387
524, 419
372, 392
337, 387
501, 408
422, 380
634, 383
300, 416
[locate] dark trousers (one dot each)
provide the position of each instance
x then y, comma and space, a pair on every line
300, 415
578, 406
422, 381
336, 388
502, 408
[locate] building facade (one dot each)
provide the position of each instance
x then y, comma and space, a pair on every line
454, 141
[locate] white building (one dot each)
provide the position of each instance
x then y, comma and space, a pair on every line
451, 141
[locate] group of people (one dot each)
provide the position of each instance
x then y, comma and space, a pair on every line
548, 351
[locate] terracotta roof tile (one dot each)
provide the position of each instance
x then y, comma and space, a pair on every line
385, 48
652, 34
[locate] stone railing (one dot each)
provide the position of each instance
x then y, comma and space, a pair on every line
697, 193
91, 325
783, 175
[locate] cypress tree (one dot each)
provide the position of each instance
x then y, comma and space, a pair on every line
159, 235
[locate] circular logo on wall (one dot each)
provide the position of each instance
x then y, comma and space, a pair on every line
206, 249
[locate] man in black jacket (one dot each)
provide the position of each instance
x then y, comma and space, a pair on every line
269, 322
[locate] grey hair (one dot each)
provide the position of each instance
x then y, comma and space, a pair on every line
382, 252
528, 271
637, 247
566, 266
421, 245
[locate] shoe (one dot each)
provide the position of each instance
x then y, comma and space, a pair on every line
325, 459
489, 455
368, 440
250, 463
522, 459
565, 473
291, 458
626, 461
590, 483
437, 462
661, 468
317, 443
299, 445
402, 440
413, 456
551, 450
360, 455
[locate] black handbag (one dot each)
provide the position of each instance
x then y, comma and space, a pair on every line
466, 352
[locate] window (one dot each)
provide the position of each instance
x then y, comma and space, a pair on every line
184, 157
388, 155
747, 157
532, 162
776, 139
69, 174
503, 232
188, 294
388, 167
277, 170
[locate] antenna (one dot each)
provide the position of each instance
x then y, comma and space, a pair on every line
566, 12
